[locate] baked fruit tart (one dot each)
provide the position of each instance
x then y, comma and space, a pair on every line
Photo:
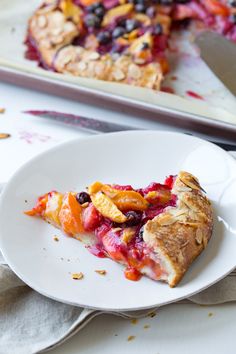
155, 231
123, 41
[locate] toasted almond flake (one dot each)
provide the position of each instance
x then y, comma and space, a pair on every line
210, 314
4, 135
42, 21
69, 27
101, 272
118, 74
82, 66
134, 71
130, 338
85, 205
146, 326
93, 56
57, 40
152, 314
77, 276
2, 110
56, 31
166, 219
199, 236
134, 321
55, 238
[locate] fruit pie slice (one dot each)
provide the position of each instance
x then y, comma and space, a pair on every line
155, 231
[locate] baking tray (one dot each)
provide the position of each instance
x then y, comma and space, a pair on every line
216, 113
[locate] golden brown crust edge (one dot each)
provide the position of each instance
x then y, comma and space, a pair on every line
181, 233
53, 34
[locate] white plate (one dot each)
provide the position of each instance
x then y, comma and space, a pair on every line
130, 157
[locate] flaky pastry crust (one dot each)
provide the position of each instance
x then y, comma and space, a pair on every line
181, 233
53, 34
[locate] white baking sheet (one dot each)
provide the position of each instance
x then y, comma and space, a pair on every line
191, 72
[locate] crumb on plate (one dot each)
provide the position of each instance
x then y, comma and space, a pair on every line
146, 326
152, 314
130, 338
55, 238
4, 135
101, 272
77, 276
134, 321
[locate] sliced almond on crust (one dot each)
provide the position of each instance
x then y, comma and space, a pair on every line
199, 236
166, 219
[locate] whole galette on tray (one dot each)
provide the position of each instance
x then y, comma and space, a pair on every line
155, 231
122, 41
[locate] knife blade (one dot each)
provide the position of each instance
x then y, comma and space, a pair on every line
89, 124
220, 56
97, 126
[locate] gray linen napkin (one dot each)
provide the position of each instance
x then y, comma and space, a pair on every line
31, 323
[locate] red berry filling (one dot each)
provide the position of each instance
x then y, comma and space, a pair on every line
123, 242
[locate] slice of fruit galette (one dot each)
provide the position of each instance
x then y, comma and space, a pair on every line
157, 231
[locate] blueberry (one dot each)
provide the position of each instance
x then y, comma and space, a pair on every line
232, 3
157, 29
92, 21
83, 197
104, 37
233, 18
145, 45
99, 11
133, 218
131, 25
93, 7
118, 32
166, 2
140, 8
151, 11
182, 1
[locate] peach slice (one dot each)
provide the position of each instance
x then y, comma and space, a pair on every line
70, 10
160, 197
70, 215
107, 208
53, 207
116, 12
130, 200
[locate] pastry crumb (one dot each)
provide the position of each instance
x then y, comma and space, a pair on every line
4, 135
55, 238
130, 338
152, 314
134, 321
146, 326
2, 110
77, 276
62, 259
101, 272
210, 314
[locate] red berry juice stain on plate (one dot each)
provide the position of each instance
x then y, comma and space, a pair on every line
194, 95
168, 89
31, 137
